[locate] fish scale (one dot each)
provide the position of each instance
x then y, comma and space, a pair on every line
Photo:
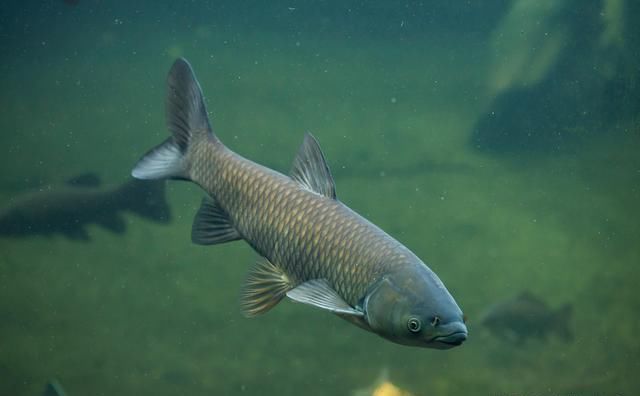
261, 203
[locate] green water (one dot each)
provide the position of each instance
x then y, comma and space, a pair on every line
392, 93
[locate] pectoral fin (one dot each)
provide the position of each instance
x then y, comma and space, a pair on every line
319, 293
212, 225
265, 286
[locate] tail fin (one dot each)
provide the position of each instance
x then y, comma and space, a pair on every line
562, 319
147, 198
188, 122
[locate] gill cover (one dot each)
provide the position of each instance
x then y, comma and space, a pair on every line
381, 307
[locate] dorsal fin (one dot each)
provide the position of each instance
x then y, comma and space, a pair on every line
529, 297
53, 388
311, 170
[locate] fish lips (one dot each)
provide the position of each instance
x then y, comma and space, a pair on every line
452, 339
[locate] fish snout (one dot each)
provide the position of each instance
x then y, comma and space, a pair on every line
452, 334
454, 339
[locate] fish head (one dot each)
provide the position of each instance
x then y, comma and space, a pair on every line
411, 306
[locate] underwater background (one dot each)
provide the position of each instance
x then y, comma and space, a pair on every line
498, 140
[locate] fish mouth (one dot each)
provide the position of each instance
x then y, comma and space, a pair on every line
452, 339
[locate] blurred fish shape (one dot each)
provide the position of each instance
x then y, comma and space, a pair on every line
315, 250
526, 316
67, 209
53, 388
382, 386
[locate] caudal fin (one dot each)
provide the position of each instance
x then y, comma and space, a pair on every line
146, 198
188, 122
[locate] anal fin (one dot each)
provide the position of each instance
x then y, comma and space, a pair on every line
265, 286
212, 225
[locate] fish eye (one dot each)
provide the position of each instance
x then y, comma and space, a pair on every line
414, 325
435, 321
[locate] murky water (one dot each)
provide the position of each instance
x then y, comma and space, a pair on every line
498, 142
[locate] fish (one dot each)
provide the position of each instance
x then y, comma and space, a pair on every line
69, 208
382, 386
526, 316
313, 248
53, 388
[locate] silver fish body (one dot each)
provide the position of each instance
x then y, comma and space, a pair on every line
314, 249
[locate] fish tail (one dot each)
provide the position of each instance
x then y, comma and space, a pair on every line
188, 122
147, 198
563, 322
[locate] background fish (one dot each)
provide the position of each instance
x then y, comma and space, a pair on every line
382, 386
314, 249
527, 316
53, 388
69, 208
